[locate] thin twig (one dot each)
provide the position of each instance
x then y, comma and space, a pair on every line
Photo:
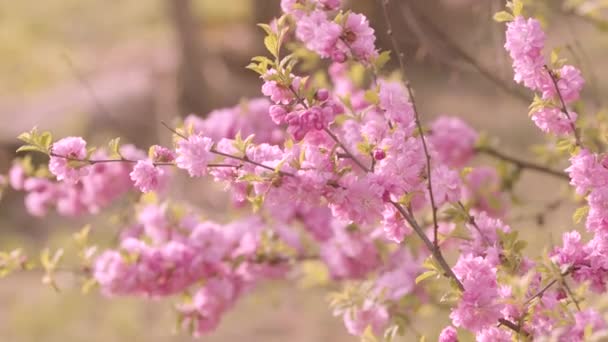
346, 151
401, 57
435, 251
470, 59
471, 221
522, 164
564, 107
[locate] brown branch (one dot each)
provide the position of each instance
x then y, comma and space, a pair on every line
463, 54
435, 251
401, 57
564, 107
522, 164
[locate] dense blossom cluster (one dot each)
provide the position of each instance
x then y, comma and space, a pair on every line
340, 173
525, 42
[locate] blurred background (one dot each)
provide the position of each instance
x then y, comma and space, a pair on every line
111, 68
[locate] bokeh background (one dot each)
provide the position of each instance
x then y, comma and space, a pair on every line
111, 68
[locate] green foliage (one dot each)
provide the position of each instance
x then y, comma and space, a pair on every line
50, 262
35, 141
580, 214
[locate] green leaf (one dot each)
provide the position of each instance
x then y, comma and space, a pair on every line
383, 58
425, 276
114, 147
272, 45
30, 148
372, 96
517, 7
368, 335
503, 16
266, 29
580, 214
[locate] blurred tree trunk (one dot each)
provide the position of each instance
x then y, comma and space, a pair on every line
190, 80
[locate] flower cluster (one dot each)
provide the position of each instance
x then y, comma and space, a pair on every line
525, 40
346, 36
342, 177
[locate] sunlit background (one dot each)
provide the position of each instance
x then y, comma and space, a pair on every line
111, 68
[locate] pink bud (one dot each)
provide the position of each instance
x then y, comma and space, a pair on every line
322, 94
379, 154
277, 114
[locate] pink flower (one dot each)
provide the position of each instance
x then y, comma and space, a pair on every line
193, 155
525, 41
478, 308
448, 334
330, 4
398, 278
572, 251
394, 224
359, 37
395, 102
16, 176
446, 185
349, 254
587, 172
67, 151
314, 118
553, 120
318, 33
597, 220
279, 93
160, 154
42, 193
570, 83
146, 176
453, 140
587, 321
494, 334
359, 201
371, 315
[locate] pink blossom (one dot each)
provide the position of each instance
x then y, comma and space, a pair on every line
448, 334
570, 82
359, 201
597, 220
16, 176
330, 4
395, 102
572, 252
147, 177
478, 309
494, 334
359, 37
446, 185
485, 237
314, 118
193, 155
371, 315
349, 254
525, 40
398, 278
318, 33
553, 120
41, 195
160, 154
587, 172
65, 152
453, 140
394, 224
587, 321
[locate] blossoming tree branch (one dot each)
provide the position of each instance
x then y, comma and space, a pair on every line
337, 169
